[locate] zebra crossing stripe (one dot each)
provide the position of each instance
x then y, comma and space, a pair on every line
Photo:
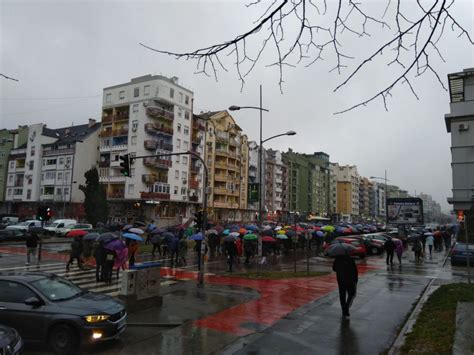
27, 267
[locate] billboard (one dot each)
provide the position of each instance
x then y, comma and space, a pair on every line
405, 211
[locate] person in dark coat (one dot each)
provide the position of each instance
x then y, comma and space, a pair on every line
231, 251
347, 278
110, 257
31, 245
389, 247
99, 256
76, 251
174, 248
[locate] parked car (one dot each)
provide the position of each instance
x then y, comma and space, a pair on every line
359, 250
7, 220
459, 254
82, 226
24, 226
373, 246
10, 341
46, 308
12, 235
58, 225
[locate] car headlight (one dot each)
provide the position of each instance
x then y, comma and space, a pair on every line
95, 318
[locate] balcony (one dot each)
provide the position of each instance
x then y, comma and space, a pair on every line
47, 153
152, 128
157, 163
221, 191
149, 178
115, 195
103, 148
47, 197
121, 116
104, 164
221, 177
112, 179
199, 126
158, 112
221, 204
193, 184
115, 147
107, 119
222, 152
221, 139
166, 146
233, 167
193, 198
194, 168
154, 195
233, 142
120, 132
106, 133
150, 145
220, 164
195, 139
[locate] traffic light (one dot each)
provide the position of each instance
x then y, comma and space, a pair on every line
460, 216
41, 213
49, 214
125, 164
198, 220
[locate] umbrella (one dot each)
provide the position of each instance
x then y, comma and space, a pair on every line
281, 236
107, 237
281, 232
219, 229
347, 231
291, 233
226, 232
230, 238
268, 232
132, 236
251, 227
428, 234
277, 228
268, 239
115, 244
234, 234
340, 248
158, 231
91, 236
139, 224
212, 231
197, 236
77, 233
250, 237
320, 234
242, 231
127, 227
267, 228
136, 231
340, 229
328, 229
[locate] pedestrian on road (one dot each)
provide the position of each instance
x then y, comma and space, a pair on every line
183, 250
110, 257
447, 240
174, 248
156, 241
417, 248
76, 251
132, 251
31, 245
389, 247
99, 256
399, 250
347, 278
430, 244
149, 229
231, 251
240, 249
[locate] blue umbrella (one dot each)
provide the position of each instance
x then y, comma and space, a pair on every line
127, 227
226, 232
251, 227
91, 236
132, 236
107, 237
320, 234
197, 236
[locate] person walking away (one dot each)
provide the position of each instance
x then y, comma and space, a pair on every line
156, 241
240, 250
347, 278
99, 256
182, 250
417, 248
132, 252
76, 251
248, 251
231, 251
430, 244
174, 248
399, 250
108, 265
151, 226
31, 246
389, 247
447, 240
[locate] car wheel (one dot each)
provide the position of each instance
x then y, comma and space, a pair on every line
63, 339
374, 250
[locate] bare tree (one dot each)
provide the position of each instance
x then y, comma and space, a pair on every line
304, 32
8, 77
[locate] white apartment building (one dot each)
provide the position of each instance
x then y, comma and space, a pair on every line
348, 202
149, 115
274, 181
253, 170
332, 189
49, 168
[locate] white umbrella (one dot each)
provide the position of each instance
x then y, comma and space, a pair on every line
234, 234
136, 231
277, 228
340, 248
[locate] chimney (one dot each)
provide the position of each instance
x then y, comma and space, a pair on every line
91, 122
174, 79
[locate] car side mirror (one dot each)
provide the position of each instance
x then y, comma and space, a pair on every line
34, 302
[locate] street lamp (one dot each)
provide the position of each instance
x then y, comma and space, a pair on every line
260, 161
386, 194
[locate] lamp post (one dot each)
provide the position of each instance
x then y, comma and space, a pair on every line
260, 160
386, 194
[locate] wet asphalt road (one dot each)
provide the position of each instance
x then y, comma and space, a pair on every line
384, 300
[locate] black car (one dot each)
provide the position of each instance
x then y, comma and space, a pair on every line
10, 341
11, 235
46, 308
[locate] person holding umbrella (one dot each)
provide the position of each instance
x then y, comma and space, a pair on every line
76, 251
31, 245
430, 243
231, 251
99, 256
347, 278
389, 247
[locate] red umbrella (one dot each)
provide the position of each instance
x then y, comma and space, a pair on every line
77, 232
268, 239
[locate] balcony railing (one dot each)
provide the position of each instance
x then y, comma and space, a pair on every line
50, 152
159, 112
199, 126
195, 140
193, 198
107, 119
104, 164
194, 169
155, 129
149, 178
119, 147
221, 191
121, 116
158, 163
106, 133
120, 132
150, 145
113, 195
222, 152
154, 195
193, 184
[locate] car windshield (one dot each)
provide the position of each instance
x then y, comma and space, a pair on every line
81, 226
27, 223
462, 246
57, 289
53, 225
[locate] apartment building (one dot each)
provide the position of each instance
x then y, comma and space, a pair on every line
49, 167
227, 162
366, 195
149, 116
274, 168
320, 181
253, 173
347, 192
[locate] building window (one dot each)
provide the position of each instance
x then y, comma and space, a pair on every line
108, 98
146, 90
177, 158
31, 165
185, 145
179, 127
184, 175
185, 160
12, 165
178, 143
180, 112
9, 192
186, 100
171, 92
61, 161
176, 174
60, 176
67, 176
66, 191
122, 95
32, 151
175, 190
135, 107
131, 188
186, 130
134, 140
59, 191
10, 179
42, 177
136, 92
186, 115
183, 191
180, 97
30, 181
68, 161
50, 175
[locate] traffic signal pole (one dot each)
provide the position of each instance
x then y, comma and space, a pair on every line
204, 201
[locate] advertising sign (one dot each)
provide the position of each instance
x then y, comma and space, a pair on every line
405, 211
253, 192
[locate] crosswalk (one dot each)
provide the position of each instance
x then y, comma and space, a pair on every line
84, 278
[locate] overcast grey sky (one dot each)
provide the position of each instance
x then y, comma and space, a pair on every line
63, 49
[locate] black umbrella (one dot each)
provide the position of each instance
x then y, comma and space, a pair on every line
268, 232
106, 237
139, 224
91, 236
37, 230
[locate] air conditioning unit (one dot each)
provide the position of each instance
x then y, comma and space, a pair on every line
463, 127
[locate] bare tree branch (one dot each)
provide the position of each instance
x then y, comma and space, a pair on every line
8, 77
